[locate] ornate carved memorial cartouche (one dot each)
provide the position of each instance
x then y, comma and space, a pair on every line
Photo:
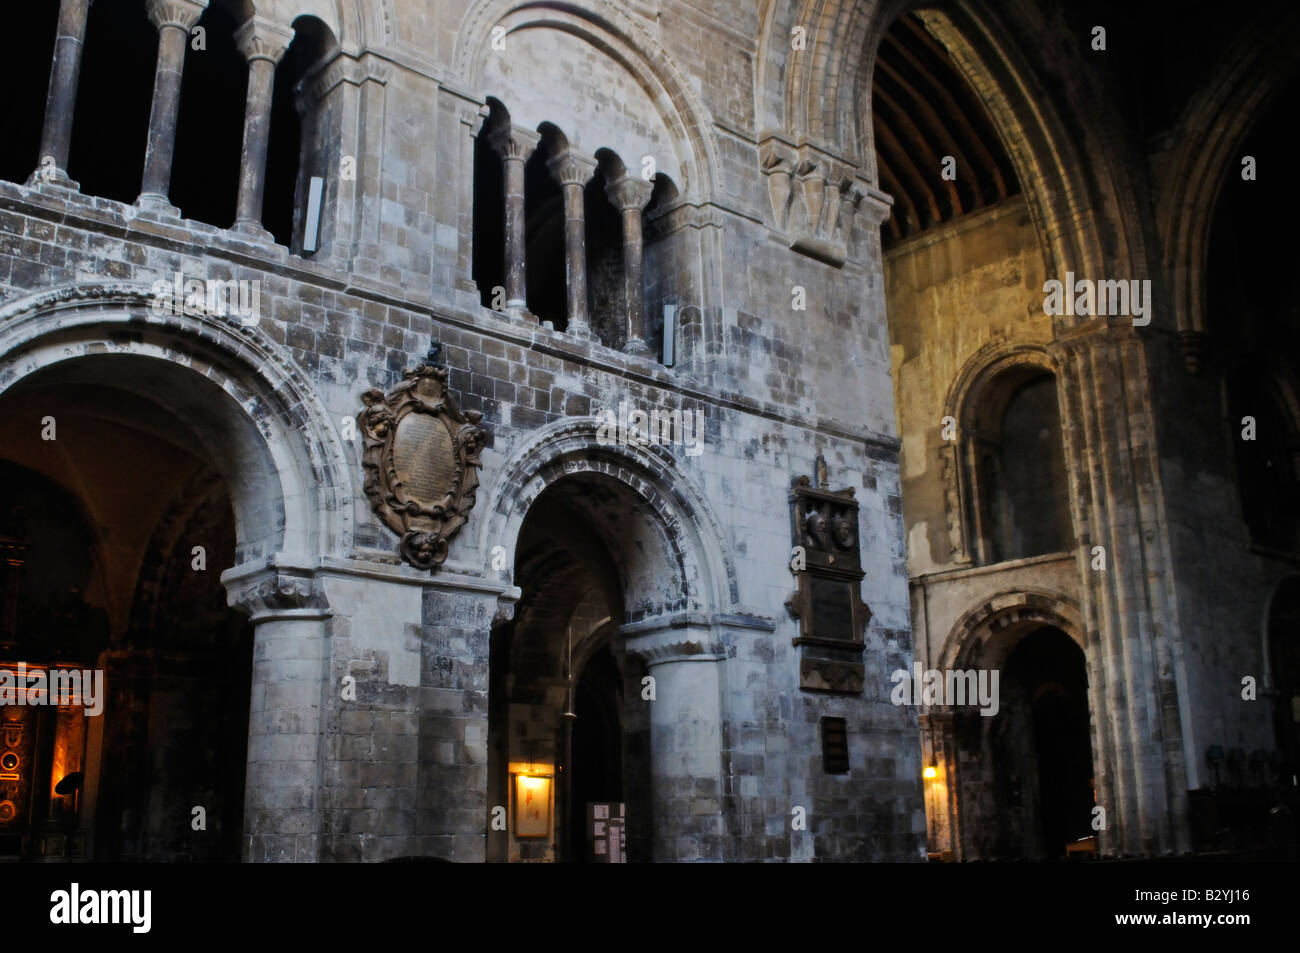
421, 460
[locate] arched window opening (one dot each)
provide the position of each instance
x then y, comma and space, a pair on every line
1253, 324
662, 279
210, 125
111, 128
298, 139
566, 236
544, 237
1267, 449
488, 266
22, 113
1018, 495
606, 291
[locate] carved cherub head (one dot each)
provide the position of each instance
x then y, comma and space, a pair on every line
376, 413
815, 525
842, 527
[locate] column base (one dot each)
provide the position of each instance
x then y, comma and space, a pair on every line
637, 348
48, 175
157, 203
581, 332
253, 230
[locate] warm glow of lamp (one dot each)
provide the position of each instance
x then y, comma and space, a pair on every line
930, 773
533, 805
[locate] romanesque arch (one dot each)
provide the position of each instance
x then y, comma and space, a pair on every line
289, 475
224, 444
614, 34
1024, 781
689, 535
979, 638
624, 585
826, 96
1213, 125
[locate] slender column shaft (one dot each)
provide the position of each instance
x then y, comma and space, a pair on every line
514, 145
573, 171
262, 43
174, 20
65, 73
630, 196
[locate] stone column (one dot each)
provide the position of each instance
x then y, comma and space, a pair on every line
514, 145
174, 19
283, 793
65, 72
262, 43
685, 739
629, 195
573, 172
1136, 681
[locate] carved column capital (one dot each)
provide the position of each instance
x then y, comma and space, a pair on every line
629, 193
262, 39
513, 142
570, 168
682, 637
182, 14
271, 591
776, 155
874, 203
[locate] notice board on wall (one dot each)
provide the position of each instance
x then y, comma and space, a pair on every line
607, 832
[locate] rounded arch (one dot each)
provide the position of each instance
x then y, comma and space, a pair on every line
1014, 487
357, 24
232, 386
1213, 126
1285, 590
603, 25
828, 98
985, 368
682, 522
984, 635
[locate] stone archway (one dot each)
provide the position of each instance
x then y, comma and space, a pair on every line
616, 555
228, 397
1019, 783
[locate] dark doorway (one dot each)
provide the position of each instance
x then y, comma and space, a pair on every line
590, 735
1284, 657
596, 765
117, 526
1049, 667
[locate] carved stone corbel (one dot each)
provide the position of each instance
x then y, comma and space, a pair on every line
777, 159
809, 191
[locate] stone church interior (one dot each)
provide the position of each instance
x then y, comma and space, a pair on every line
330, 333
